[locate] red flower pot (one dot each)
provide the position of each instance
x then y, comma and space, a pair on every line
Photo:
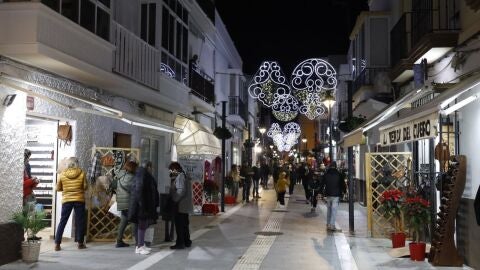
398, 240
210, 208
417, 251
230, 200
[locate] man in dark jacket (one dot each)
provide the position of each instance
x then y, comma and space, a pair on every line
334, 186
302, 174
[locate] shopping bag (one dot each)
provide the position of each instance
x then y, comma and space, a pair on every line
149, 234
114, 211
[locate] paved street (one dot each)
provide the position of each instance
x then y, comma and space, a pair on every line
256, 235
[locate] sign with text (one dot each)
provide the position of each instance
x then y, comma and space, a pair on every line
194, 168
418, 129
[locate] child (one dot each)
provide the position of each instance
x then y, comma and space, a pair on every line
281, 188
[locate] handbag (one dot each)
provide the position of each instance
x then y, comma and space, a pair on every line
64, 133
113, 209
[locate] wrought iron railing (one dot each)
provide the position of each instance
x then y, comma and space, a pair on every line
236, 106
367, 77
202, 85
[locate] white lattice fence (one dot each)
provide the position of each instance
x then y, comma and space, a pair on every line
375, 163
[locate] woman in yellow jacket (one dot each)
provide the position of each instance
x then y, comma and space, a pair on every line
281, 188
72, 184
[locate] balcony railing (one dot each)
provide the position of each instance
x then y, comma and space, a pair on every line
202, 85
367, 77
134, 58
237, 107
400, 39
429, 16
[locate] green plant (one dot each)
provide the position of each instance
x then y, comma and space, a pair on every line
350, 123
210, 187
222, 133
31, 221
417, 214
391, 202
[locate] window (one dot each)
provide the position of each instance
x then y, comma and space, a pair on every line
148, 22
93, 15
175, 39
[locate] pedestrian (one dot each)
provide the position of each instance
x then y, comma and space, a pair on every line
144, 200
29, 182
293, 178
315, 188
334, 185
246, 174
256, 181
124, 180
265, 172
168, 212
302, 173
72, 183
275, 172
235, 175
281, 188
182, 195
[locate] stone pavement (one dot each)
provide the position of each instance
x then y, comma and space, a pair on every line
256, 235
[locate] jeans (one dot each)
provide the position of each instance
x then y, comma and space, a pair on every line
123, 225
332, 205
140, 229
246, 190
255, 188
265, 181
80, 221
235, 190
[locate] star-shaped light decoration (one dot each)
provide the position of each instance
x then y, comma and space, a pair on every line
268, 82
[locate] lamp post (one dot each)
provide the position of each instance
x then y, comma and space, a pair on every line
329, 100
222, 199
304, 141
262, 131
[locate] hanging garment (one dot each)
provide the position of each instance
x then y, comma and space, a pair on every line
442, 154
476, 205
95, 168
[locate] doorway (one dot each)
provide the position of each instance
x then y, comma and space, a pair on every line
122, 140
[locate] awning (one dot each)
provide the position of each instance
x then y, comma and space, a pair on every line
195, 139
353, 138
97, 108
369, 108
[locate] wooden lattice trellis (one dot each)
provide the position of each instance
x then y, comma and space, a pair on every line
399, 162
103, 225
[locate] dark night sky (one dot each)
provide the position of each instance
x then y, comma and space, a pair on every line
288, 31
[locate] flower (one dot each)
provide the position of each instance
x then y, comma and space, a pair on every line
391, 201
417, 214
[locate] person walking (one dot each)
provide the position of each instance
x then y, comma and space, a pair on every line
144, 200
281, 188
168, 209
246, 174
72, 183
235, 175
333, 185
315, 188
265, 172
293, 178
124, 185
256, 181
29, 182
182, 195
302, 173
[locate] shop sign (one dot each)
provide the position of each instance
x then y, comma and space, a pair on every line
30, 103
418, 129
193, 168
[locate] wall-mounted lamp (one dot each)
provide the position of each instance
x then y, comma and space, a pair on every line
8, 100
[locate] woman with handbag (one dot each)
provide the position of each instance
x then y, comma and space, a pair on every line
124, 184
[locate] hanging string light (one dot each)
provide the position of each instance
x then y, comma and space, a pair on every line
286, 139
285, 107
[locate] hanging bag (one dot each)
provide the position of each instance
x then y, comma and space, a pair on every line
64, 133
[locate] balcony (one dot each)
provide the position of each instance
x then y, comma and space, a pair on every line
428, 32
202, 91
237, 111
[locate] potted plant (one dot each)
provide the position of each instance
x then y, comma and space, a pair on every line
32, 222
391, 203
417, 214
229, 199
222, 133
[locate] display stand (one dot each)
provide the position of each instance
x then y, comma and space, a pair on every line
443, 251
102, 225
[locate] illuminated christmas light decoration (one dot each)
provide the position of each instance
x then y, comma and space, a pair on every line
285, 107
167, 70
310, 79
286, 139
268, 83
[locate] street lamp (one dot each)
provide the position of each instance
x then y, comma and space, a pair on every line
328, 100
262, 131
